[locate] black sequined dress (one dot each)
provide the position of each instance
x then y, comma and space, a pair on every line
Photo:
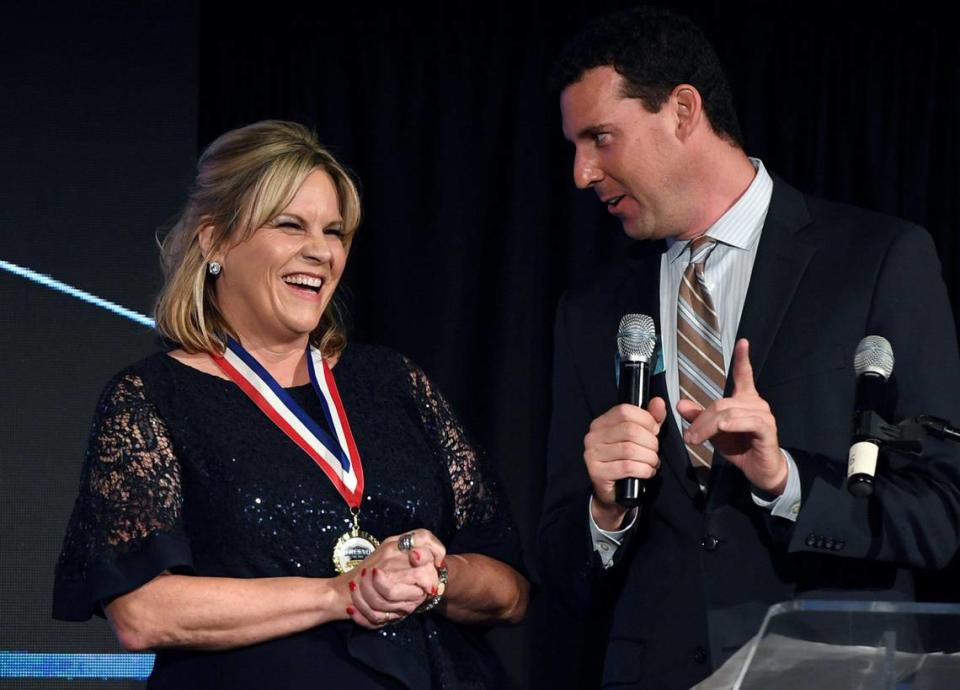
184, 473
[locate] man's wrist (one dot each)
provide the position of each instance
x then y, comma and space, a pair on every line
776, 485
607, 517
787, 505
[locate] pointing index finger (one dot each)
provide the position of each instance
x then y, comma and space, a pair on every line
742, 369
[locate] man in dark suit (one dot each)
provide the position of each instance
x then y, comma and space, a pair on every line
745, 500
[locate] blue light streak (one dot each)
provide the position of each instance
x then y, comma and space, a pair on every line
59, 286
33, 665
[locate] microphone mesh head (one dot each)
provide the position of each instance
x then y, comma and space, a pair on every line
874, 354
636, 337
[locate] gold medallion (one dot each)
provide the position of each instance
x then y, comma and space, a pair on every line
352, 547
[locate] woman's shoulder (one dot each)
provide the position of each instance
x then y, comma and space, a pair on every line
152, 365
130, 391
379, 366
374, 357
154, 375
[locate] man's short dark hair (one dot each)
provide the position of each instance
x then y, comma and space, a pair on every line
654, 50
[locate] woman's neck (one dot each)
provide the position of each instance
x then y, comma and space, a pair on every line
285, 361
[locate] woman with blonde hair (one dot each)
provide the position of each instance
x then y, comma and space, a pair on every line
265, 505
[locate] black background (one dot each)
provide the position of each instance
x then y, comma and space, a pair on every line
472, 225
98, 140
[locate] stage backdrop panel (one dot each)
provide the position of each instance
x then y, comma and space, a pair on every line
98, 143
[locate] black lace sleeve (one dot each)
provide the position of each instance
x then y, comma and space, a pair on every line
481, 509
126, 525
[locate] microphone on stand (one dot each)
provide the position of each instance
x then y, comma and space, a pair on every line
636, 342
873, 363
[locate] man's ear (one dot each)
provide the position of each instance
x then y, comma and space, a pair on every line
689, 109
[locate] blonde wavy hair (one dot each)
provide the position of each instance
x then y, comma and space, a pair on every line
244, 179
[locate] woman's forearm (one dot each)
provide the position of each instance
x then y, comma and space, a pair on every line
221, 612
481, 589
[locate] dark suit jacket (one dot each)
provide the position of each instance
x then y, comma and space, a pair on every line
697, 574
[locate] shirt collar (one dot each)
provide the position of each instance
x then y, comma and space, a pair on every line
740, 226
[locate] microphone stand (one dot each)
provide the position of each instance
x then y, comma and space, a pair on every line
938, 427
907, 436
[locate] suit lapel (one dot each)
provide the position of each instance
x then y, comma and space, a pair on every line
777, 270
673, 452
779, 266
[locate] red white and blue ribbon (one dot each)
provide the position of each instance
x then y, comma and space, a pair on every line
337, 457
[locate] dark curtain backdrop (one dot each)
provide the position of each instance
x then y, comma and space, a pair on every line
473, 227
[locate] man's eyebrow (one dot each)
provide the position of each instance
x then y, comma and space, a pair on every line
591, 131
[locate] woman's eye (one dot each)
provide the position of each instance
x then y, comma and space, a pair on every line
336, 232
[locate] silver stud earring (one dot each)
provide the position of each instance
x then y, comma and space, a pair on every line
214, 268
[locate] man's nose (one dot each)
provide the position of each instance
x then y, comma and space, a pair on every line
585, 172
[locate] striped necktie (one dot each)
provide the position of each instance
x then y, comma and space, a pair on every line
699, 350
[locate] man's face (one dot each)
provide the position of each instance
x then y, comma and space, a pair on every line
631, 157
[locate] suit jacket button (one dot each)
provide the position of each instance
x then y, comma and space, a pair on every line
811, 539
700, 655
710, 542
839, 544
828, 543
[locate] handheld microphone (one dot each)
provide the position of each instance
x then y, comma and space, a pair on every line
873, 363
636, 342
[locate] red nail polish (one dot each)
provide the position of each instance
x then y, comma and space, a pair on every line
350, 611
416, 555
433, 590
374, 571
443, 563
353, 585
363, 572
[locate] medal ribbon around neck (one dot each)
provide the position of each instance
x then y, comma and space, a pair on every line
338, 458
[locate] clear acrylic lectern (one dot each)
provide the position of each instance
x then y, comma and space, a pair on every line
848, 645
